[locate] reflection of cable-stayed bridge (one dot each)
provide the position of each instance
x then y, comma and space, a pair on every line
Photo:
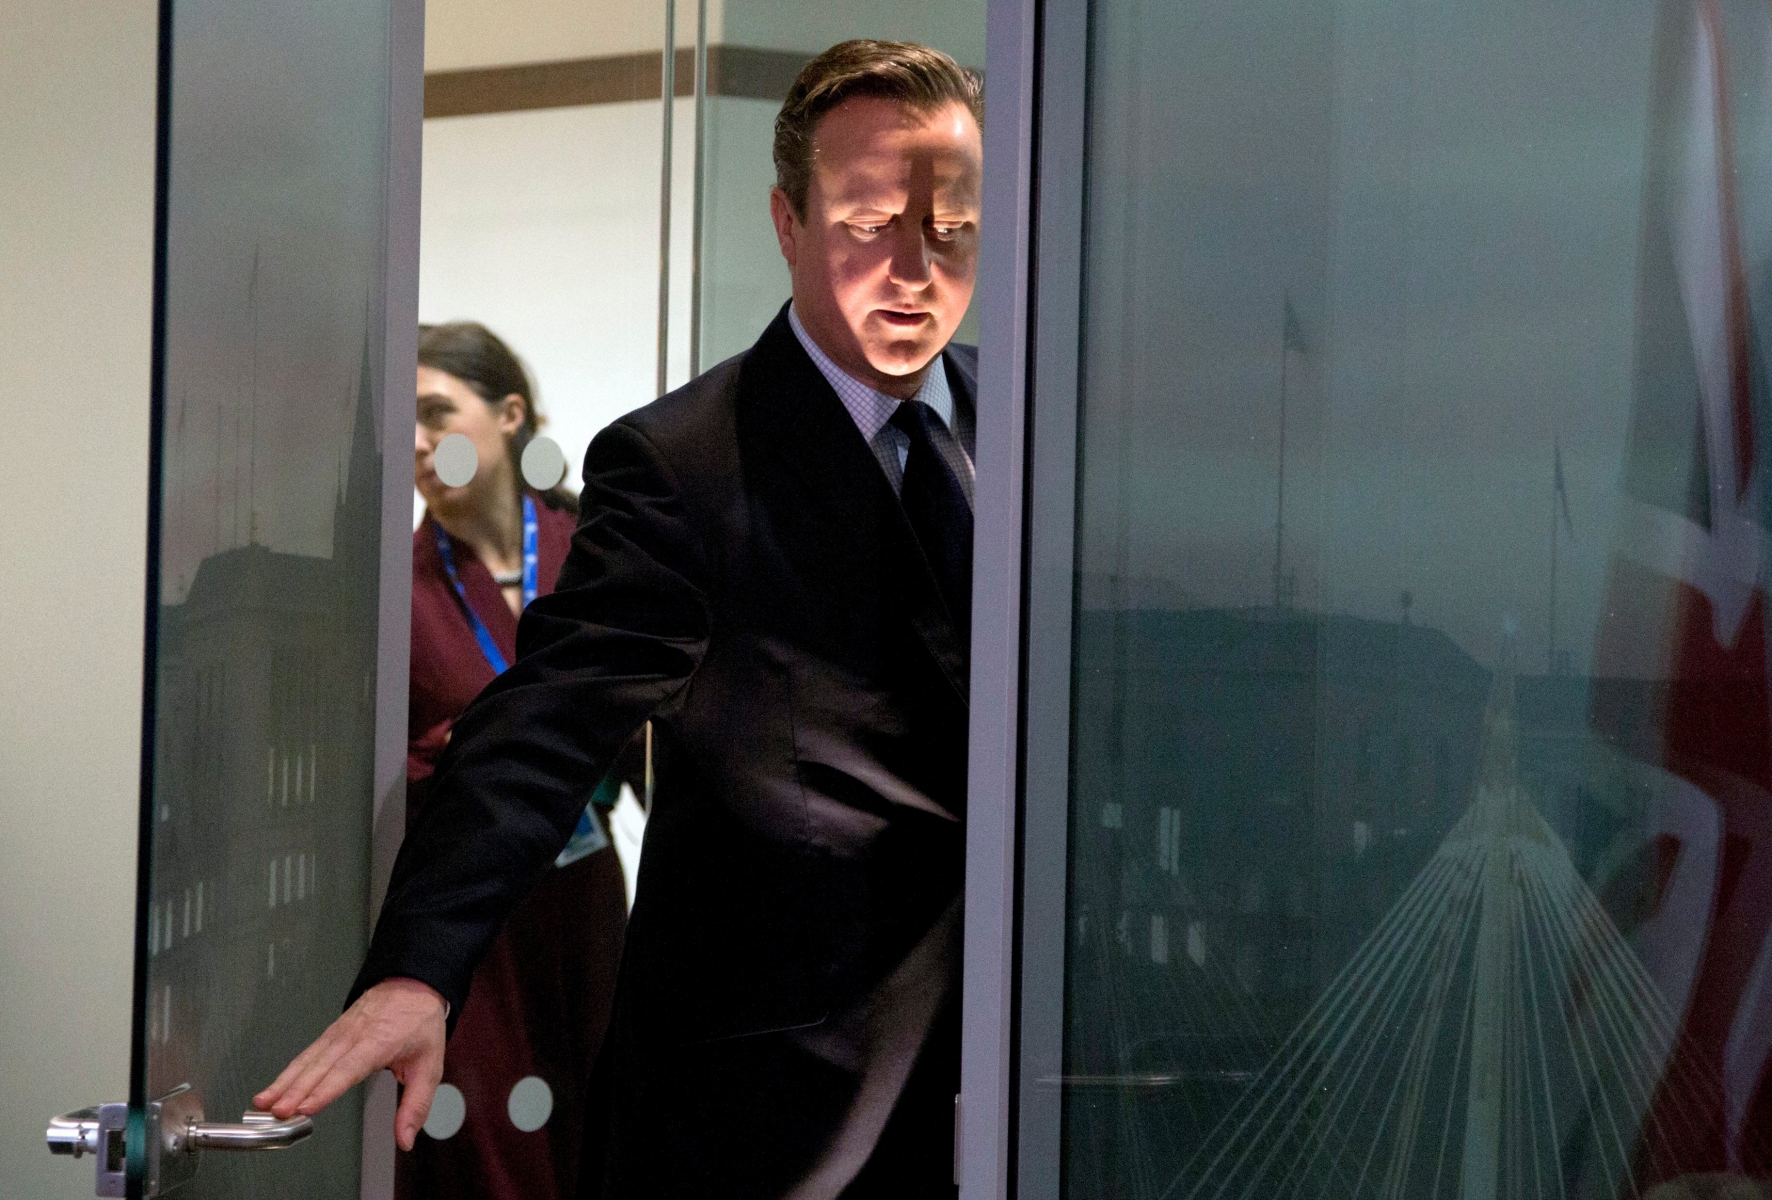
1494, 1036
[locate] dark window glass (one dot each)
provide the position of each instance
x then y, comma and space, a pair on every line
1420, 838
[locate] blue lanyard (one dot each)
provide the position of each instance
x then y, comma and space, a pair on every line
494, 657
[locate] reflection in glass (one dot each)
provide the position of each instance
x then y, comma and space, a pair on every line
270, 560
1421, 820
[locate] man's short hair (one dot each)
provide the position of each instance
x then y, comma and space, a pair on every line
916, 76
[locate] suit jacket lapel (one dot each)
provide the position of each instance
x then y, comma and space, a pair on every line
812, 435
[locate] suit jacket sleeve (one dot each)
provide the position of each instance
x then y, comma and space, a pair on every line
620, 635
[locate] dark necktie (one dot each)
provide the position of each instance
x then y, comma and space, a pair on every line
938, 512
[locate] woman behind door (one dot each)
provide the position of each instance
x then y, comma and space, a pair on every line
510, 1114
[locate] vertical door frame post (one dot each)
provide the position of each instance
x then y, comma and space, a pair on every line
984, 1121
399, 344
1030, 310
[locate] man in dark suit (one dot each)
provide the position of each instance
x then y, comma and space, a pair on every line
773, 565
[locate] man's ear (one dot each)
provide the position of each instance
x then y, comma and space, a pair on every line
787, 226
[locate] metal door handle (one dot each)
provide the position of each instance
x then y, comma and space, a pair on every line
74, 1133
256, 1131
176, 1134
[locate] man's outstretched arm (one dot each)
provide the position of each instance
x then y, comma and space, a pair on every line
622, 633
398, 1024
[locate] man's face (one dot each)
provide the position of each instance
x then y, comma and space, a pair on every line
883, 263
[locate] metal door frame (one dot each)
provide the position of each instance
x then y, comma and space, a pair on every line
405, 154
1030, 307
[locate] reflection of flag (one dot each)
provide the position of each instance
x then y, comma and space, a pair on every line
1561, 491
1291, 331
1687, 607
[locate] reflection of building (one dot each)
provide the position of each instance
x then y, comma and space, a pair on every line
263, 800
1247, 784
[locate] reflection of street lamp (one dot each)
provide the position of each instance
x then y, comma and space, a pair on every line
1408, 600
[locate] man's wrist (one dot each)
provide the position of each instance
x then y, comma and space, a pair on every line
419, 983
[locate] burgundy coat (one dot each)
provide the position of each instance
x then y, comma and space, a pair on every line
448, 669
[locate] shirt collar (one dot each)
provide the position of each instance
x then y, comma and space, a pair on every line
871, 409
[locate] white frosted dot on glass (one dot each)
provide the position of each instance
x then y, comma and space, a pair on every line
448, 1111
531, 1103
544, 464
456, 460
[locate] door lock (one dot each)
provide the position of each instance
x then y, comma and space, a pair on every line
101, 1131
176, 1135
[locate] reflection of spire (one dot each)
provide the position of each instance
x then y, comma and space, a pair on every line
362, 446
358, 459
183, 446
340, 458
215, 481
252, 444
357, 520
361, 442
238, 421
1495, 1035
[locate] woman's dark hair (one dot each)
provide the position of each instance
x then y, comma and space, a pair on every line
918, 77
479, 358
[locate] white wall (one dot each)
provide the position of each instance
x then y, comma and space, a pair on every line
543, 225
76, 188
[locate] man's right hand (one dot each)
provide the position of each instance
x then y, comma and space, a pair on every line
398, 1024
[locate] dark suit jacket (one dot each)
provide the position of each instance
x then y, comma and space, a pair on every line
744, 576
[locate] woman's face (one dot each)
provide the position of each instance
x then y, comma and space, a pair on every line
446, 405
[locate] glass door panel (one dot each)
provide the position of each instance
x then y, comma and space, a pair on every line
1420, 806
267, 550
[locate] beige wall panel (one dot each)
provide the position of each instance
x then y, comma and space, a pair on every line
76, 185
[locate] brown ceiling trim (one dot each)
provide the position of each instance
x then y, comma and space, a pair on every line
740, 71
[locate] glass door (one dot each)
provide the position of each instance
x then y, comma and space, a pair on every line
1396, 686
281, 141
